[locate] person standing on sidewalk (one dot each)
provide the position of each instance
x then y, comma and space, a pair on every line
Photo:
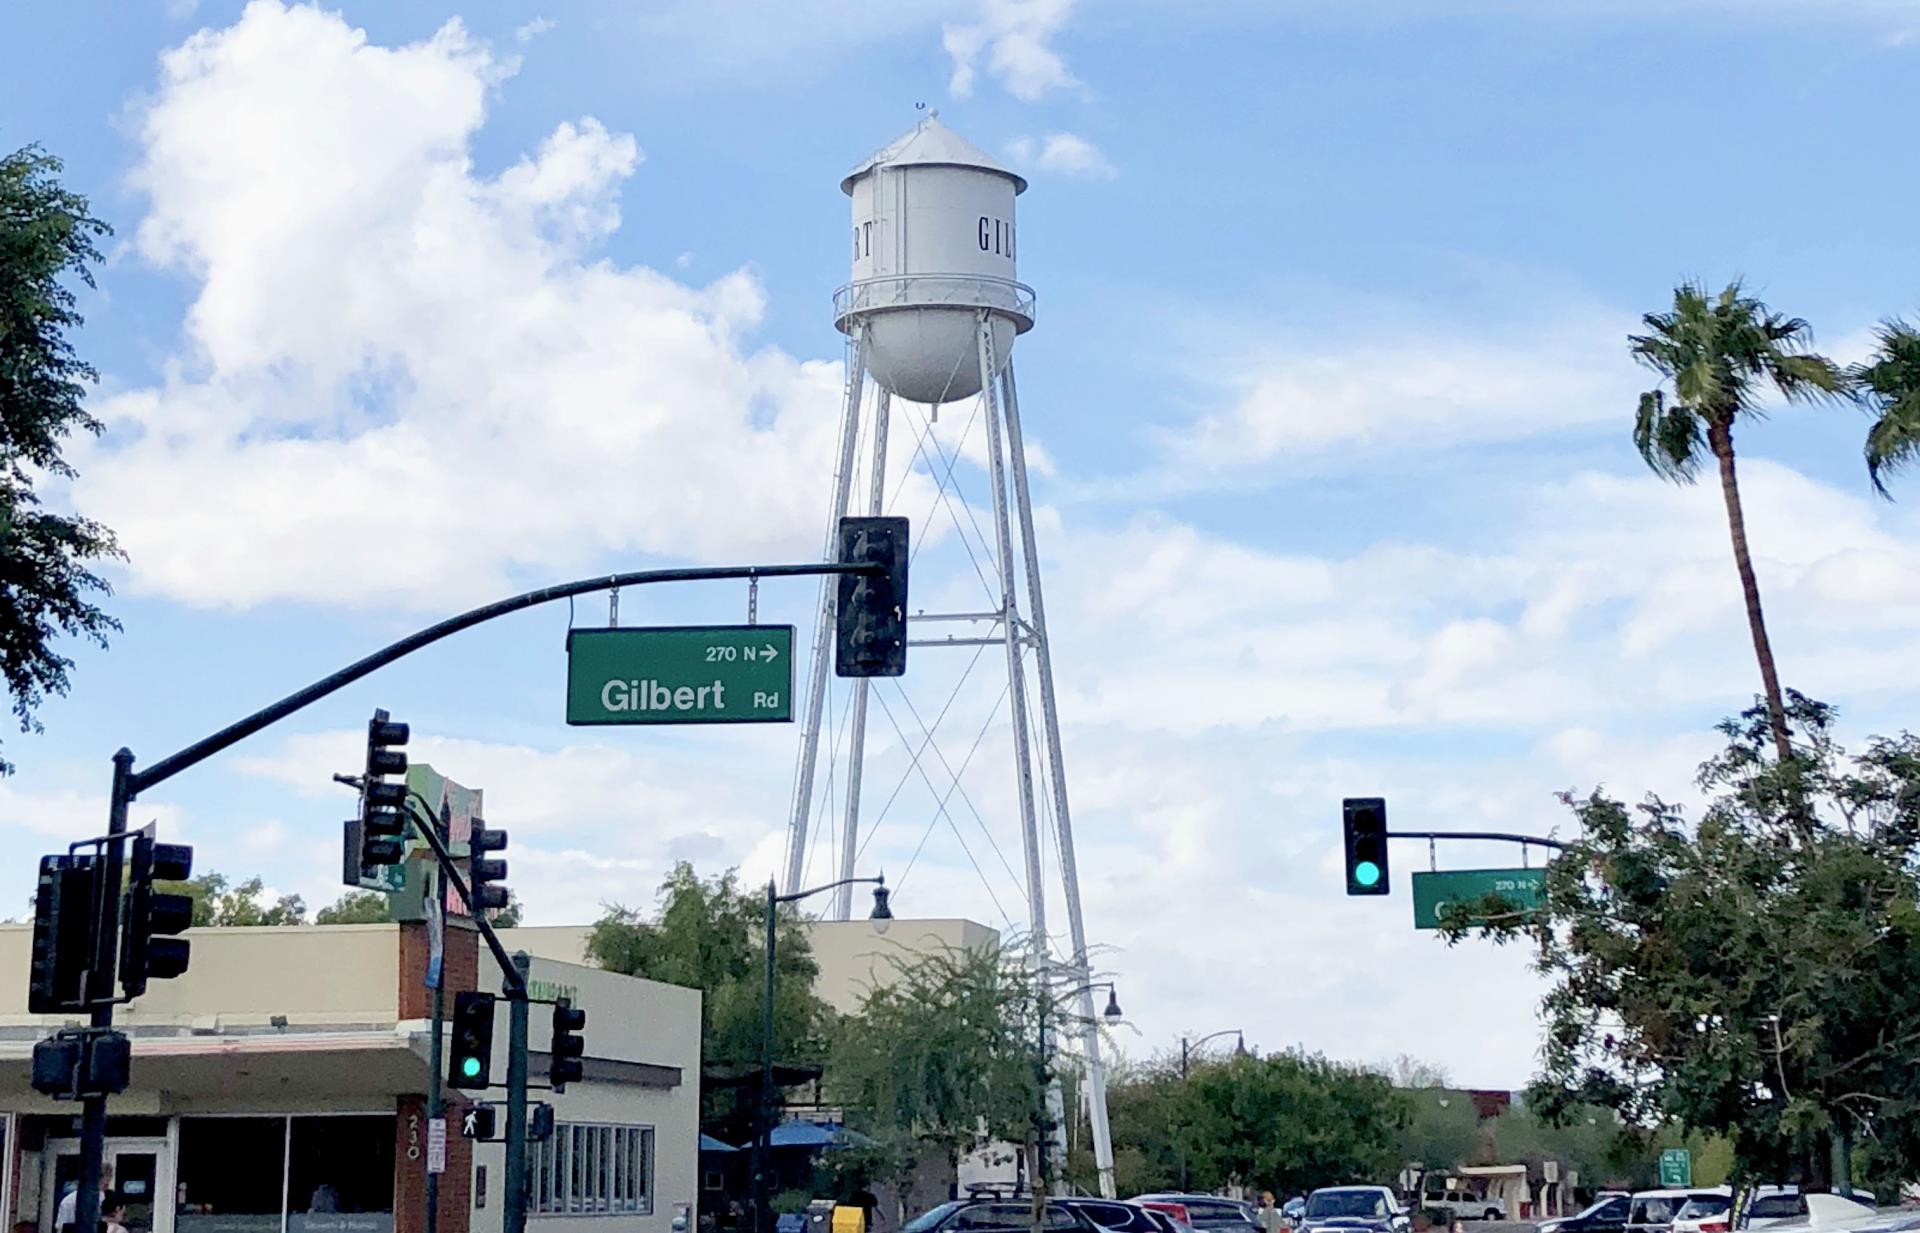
1269, 1217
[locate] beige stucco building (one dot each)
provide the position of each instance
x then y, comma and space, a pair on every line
280, 1086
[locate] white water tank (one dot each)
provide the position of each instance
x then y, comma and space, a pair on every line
934, 244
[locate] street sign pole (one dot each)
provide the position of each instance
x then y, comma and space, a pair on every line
436, 1100
99, 989
516, 1178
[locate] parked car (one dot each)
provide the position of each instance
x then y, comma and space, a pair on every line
1607, 1214
1704, 1214
1354, 1207
1463, 1205
1652, 1211
1829, 1212
998, 1216
1168, 1222
1774, 1205
1115, 1216
1208, 1213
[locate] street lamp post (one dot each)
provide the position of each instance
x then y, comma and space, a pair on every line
1187, 1047
881, 916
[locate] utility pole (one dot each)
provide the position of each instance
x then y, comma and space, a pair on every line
436, 1098
516, 1179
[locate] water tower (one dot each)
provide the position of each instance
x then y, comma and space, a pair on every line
931, 315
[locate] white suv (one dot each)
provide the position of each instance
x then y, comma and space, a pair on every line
1464, 1205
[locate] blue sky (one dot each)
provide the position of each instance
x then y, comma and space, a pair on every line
415, 304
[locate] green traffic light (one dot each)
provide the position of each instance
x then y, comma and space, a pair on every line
470, 1067
1366, 873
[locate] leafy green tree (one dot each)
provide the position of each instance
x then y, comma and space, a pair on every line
1755, 975
1720, 354
1288, 1122
945, 1050
47, 234
356, 908
1889, 383
1142, 1100
216, 901
708, 933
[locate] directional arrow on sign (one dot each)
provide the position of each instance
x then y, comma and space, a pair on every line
769, 652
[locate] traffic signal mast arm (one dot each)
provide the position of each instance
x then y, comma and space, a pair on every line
129, 783
1499, 836
139, 781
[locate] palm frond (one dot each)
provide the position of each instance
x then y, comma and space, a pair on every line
1894, 440
1805, 377
1669, 436
1889, 383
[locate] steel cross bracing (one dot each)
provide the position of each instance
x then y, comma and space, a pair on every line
1005, 560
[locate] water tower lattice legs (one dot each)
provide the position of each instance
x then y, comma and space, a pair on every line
1080, 966
857, 734
823, 625
1041, 958
1012, 504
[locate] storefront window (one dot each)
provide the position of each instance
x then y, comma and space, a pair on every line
232, 1174
589, 1170
340, 1175
237, 1175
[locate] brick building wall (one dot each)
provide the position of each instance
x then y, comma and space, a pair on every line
461, 971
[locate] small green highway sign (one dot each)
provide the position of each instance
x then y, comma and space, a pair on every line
1676, 1167
709, 674
1432, 892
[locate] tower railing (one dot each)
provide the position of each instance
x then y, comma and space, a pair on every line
1002, 295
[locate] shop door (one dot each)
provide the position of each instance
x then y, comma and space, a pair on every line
142, 1174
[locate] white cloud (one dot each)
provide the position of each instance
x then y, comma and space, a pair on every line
384, 344
1014, 39
1594, 596
1062, 154
1416, 389
533, 29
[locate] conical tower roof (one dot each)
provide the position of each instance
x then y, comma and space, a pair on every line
931, 144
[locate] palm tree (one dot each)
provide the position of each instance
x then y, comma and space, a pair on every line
1719, 353
1889, 383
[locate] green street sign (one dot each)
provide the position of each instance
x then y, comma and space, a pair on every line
1432, 892
1676, 1167
712, 674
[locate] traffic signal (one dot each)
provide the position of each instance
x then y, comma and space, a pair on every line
378, 836
1366, 827
870, 621
148, 948
62, 935
540, 1123
479, 1123
564, 1064
79, 1062
486, 872
470, 1062
56, 1065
